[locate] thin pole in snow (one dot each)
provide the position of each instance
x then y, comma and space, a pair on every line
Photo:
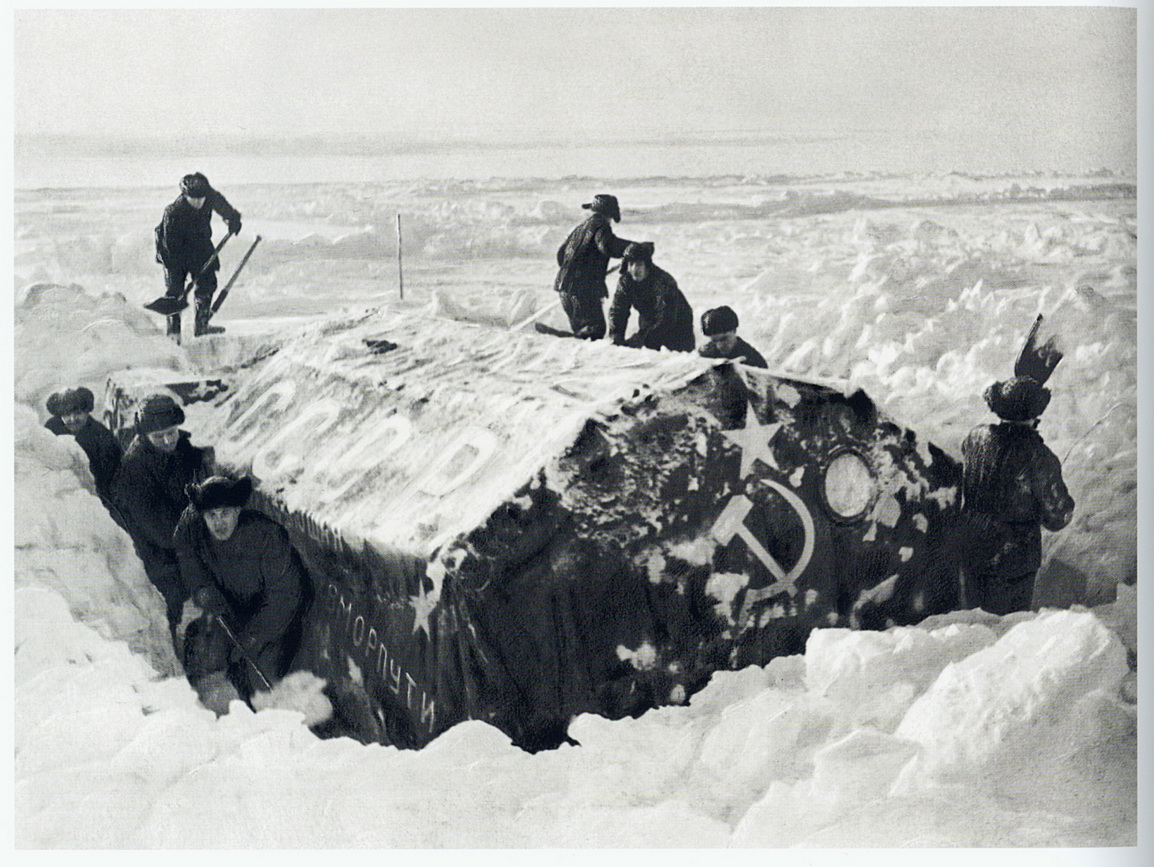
400, 271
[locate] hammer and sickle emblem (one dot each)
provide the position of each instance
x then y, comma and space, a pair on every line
755, 442
731, 523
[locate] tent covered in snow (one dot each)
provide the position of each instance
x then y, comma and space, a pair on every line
518, 529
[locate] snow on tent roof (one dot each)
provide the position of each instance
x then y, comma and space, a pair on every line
367, 424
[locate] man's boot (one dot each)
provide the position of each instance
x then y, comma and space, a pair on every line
203, 312
173, 320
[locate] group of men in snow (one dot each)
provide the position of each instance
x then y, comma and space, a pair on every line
233, 585
665, 316
1012, 482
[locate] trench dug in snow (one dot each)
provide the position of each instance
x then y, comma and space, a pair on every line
964, 730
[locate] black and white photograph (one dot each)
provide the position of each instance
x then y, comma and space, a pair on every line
577, 428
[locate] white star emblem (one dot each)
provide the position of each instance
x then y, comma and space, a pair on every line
424, 603
754, 439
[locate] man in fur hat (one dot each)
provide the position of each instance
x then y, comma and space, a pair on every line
239, 566
184, 246
720, 326
665, 319
149, 492
582, 262
71, 414
1012, 487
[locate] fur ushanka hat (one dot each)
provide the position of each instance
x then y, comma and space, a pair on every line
639, 251
70, 400
158, 412
1019, 398
195, 185
719, 320
217, 491
603, 203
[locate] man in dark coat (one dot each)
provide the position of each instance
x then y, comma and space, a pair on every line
149, 492
582, 261
665, 319
1012, 487
240, 567
184, 245
71, 410
720, 326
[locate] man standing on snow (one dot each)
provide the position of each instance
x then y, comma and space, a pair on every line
240, 567
582, 261
665, 319
184, 246
720, 326
149, 491
71, 410
1012, 487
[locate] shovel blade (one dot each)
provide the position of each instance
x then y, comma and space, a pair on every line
166, 305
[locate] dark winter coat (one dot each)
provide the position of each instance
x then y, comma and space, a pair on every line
1012, 487
584, 258
99, 444
149, 493
256, 570
665, 317
184, 236
740, 349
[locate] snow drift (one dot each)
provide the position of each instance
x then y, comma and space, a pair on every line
800, 752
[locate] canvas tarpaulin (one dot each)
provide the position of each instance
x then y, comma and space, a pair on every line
516, 528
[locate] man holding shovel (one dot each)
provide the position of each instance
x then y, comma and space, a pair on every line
1012, 486
184, 247
246, 579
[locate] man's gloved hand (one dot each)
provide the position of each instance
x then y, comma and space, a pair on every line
234, 226
210, 601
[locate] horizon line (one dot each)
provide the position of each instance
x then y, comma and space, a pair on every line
392, 141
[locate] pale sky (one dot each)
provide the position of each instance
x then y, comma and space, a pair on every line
570, 72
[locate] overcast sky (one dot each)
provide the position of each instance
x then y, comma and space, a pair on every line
1034, 77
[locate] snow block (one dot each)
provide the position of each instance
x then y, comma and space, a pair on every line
519, 529
1018, 706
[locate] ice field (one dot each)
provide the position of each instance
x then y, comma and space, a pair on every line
966, 730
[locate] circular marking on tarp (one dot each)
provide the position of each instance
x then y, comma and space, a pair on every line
849, 485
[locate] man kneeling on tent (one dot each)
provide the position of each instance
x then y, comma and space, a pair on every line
665, 317
247, 583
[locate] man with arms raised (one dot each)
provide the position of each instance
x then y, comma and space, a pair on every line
1012, 487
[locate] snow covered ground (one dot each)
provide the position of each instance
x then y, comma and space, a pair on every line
967, 730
